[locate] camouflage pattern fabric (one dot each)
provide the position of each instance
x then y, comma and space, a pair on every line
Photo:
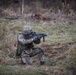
25, 48
26, 54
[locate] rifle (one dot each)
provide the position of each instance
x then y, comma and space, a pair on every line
37, 36
34, 34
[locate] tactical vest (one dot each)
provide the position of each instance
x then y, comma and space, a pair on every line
21, 47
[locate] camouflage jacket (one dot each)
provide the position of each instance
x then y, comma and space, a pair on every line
24, 44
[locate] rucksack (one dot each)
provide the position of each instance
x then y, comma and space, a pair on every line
18, 50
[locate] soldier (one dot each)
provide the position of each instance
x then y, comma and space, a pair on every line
26, 48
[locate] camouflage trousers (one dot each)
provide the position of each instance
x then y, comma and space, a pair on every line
27, 54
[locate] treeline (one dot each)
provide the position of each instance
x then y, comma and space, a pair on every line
62, 5
45, 3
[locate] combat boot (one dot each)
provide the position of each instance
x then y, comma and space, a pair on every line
42, 63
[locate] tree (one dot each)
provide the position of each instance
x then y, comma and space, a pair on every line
22, 6
21, 3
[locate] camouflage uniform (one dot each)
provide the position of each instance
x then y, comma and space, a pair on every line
26, 48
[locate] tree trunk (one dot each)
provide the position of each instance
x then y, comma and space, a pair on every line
22, 6
21, 3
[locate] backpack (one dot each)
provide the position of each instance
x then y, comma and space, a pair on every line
18, 50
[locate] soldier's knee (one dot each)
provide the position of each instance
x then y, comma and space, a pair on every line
23, 55
41, 51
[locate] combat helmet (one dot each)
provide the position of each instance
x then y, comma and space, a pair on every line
27, 29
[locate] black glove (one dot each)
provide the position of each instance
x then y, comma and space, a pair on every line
34, 38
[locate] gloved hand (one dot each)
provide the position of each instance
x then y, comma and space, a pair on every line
35, 38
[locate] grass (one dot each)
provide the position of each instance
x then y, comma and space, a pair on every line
2, 30
58, 33
16, 70
19, 70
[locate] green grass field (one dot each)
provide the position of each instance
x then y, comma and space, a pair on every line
59, 33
